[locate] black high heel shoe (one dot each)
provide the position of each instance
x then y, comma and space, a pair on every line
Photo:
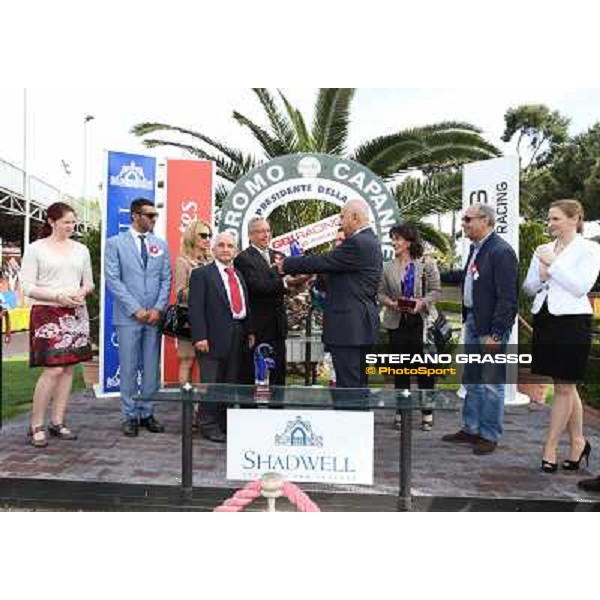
549, 467
573, 465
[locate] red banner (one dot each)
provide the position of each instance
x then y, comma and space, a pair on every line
189, 197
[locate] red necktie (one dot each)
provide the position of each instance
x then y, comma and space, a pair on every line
234, 290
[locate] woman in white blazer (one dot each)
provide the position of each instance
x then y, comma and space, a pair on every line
560, 276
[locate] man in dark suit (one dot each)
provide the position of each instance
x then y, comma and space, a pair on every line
267, 290
220, 321
490, 301
351, 314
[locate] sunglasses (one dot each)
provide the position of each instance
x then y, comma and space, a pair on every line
469, 219
205, 236
150, 215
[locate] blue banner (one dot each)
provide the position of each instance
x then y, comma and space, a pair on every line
129, 176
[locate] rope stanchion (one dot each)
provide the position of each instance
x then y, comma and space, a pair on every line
271, 487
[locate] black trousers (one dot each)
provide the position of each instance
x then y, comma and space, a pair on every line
348, 364
221, 370
408, 339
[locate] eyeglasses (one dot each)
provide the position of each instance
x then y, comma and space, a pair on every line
469, 219
204, 235
150, 215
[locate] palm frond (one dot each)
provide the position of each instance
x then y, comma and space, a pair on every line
418, 198
282, 128
381, 152
440, 241
142, 129
441, 145
227, 169
304, 140
331, 121
271, 145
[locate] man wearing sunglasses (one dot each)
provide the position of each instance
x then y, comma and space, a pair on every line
138, 274
490, 300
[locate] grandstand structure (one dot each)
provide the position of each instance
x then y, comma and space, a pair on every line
14, 185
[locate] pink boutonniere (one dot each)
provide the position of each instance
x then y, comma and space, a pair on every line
155, 251
474, 272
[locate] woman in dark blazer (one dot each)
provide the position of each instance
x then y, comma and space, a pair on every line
561, 275
410, 277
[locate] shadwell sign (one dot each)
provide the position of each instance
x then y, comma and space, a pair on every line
301, 445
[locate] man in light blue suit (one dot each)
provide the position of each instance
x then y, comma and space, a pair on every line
138, 274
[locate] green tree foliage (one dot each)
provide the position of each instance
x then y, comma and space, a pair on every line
531, 235
92, 239
542, 129
573, 173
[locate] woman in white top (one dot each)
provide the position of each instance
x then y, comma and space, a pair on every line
560, 276
56, 276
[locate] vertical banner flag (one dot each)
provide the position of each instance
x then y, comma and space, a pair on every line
496, 182
129, 176
190, 197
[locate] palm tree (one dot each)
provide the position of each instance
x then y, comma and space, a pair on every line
432, 149
418, 198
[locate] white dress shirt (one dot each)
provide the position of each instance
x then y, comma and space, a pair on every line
242, 314
571, 277
264, 253
137, 240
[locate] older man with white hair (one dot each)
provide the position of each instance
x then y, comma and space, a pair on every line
219, 312
490, 302
351, 315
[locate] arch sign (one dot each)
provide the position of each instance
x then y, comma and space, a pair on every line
308, 177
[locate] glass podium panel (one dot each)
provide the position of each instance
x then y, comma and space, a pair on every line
308, 397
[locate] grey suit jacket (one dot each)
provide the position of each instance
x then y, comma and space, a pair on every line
427, 279
132, 286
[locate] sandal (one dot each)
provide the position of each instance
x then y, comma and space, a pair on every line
61, 432
31, 439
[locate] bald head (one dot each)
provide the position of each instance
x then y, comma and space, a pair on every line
225, 248
355, 216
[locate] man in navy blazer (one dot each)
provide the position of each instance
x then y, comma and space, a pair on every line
490, 303
219, 313
138, 274
351, 315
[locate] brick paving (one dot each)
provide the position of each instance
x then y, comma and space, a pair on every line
103, 454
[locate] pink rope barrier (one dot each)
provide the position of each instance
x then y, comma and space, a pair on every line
298, 498
241, 498
252, 490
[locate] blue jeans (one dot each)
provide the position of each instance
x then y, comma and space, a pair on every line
139, 349
483, 409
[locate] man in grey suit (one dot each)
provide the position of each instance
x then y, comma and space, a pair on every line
138, 274
351, 316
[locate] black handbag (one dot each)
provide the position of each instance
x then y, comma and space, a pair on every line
440, 333
176, 322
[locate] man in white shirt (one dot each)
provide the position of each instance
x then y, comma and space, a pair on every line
221, 332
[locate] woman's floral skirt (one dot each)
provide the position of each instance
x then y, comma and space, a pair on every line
58, 336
